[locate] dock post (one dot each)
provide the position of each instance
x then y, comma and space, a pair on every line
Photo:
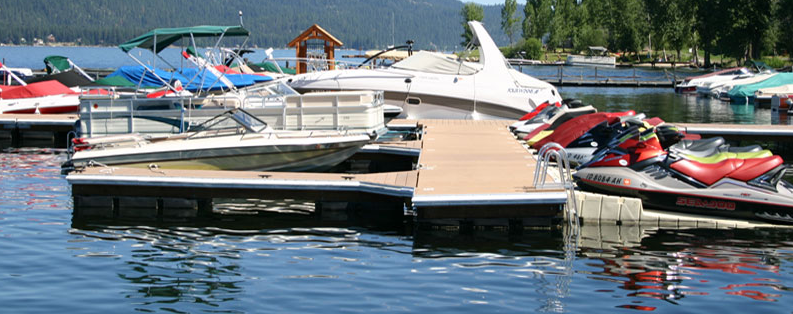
561, 74
596, 74
16, 136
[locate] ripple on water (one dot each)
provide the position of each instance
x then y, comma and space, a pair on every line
278, 265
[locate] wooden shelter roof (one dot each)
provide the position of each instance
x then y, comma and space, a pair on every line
315, 32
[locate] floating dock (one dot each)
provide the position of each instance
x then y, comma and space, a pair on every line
36, 130
467, 171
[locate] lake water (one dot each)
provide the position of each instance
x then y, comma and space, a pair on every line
52, 262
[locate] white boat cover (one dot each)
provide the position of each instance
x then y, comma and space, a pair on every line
784, 89
424, 61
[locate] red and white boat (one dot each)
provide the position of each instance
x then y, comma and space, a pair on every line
40, 97
690, 84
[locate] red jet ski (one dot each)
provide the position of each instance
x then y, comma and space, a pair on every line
636, 165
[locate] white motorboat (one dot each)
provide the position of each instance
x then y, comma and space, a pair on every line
431, 85
234, 140
719, 89
193, 95
274, 102
690, 84
763, 97
38, 97
758, 72
597, 56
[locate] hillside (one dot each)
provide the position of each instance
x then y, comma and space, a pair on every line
360, 24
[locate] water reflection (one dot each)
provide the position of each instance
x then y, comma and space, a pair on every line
671, 107
671, 265
292, 262
630, 267
31, 179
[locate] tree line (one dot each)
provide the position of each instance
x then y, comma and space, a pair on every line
740, 29
360, 24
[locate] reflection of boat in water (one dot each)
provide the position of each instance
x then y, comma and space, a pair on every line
234, 140
651, 263
429, 85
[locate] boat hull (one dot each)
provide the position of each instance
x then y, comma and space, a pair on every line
234, 154
660, 190
45, 105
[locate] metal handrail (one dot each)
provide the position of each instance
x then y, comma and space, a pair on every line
565, 175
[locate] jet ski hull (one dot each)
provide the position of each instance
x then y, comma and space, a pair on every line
658, 188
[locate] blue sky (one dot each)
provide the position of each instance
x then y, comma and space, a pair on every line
489, 2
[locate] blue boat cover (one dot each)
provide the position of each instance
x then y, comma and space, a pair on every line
740, 93
192, 79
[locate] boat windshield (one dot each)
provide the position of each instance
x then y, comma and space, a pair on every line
249, 121
233, 118
280, 88
424, 61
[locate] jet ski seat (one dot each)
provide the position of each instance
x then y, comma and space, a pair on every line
722, 155
709, 147
738, 169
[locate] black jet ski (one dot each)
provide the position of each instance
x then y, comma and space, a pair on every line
634, 164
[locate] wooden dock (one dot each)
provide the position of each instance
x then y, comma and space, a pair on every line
38, 130
467, 170
609, 83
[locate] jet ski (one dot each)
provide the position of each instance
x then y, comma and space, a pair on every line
583, 135
634, 164
576, 127
544, 112
550, 120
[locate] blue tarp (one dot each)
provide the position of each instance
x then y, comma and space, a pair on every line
134, 74
741, 93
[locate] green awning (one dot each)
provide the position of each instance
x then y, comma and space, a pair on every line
56, 64
118, 81
267, 66
167, 36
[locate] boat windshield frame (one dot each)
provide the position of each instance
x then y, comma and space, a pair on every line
243, 119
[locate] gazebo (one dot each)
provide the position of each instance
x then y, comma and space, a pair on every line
314, 42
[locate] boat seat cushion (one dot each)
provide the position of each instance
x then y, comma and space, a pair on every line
722, 155
707, 173
745, 149
699, 145
753, 168
738, 169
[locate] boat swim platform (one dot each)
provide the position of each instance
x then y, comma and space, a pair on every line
466, 170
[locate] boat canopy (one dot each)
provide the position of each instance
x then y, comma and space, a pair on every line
741, 92
758, 66
435, 63
190, 78
56, 64
166, 36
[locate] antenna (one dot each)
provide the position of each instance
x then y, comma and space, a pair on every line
243, 25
